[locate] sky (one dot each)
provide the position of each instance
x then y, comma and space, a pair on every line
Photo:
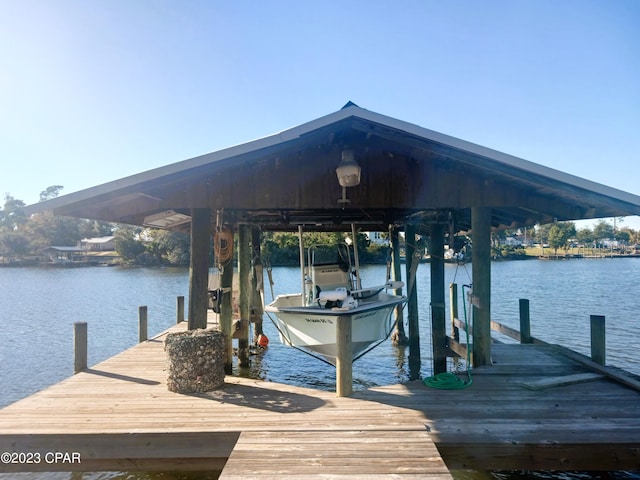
97, 90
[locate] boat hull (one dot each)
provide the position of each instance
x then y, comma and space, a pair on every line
314, 328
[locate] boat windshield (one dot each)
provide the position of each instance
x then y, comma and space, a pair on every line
331, 255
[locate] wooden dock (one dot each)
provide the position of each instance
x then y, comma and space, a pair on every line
119, 415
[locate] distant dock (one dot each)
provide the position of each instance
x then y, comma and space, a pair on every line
518, 414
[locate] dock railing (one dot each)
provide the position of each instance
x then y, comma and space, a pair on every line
523, 335
597, 361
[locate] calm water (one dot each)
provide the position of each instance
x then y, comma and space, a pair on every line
39, 306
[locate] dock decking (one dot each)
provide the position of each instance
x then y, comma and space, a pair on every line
119, 415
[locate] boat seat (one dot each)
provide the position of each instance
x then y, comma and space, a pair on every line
329, 277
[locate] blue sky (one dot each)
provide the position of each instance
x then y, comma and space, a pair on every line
96, 90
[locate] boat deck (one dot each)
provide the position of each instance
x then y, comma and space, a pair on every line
119, 415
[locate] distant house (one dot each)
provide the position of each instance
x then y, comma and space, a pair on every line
377, 238
98, 244
514, 241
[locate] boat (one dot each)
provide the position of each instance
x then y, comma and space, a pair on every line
330, 289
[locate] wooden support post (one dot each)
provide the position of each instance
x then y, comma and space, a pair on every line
79, 346
344, 361
257, 286
481, 300
525, 322
180, 309
412, 303
244, 285
598, 339
399, 336
226, 311
199, 268
438, 321
143, 334
453, 310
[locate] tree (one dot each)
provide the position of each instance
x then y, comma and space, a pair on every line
51, 192
585, 236
127, 246
603, 230
95, 228
11, 216
13, 245
169, 247
559, 235
45, 229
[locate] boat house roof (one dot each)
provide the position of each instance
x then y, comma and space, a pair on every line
409, 174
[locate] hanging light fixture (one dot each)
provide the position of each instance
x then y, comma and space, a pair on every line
348, 170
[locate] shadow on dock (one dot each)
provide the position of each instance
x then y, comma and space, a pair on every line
262, 398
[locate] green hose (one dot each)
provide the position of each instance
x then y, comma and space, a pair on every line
446, 381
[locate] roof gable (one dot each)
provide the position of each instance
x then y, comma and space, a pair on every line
409, 173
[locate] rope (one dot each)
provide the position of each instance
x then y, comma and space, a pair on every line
223, 245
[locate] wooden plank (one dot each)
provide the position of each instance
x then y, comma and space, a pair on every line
316, 453
618, 376
560, 381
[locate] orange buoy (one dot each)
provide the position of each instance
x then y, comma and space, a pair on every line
263, 341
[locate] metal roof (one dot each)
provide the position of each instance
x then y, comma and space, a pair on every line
409, 174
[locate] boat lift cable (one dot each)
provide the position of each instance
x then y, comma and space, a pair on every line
393, 325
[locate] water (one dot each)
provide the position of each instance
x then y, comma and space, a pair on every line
39, 306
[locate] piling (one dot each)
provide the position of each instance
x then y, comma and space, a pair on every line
344, 360
244, 270
438, 315
598, 350
453, 311
143, 335
399, 336
179, 309
199, 267
481, 264
226, 311
79, 346
525, 321
412, 303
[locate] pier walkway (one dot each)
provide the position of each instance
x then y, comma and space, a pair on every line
518, 414
119, 415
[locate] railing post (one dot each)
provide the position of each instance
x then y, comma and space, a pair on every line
525, 322
79, 346
453, 311
143, 334
180, 309
598, 351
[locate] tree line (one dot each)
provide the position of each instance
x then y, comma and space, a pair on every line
24, 237
565, 235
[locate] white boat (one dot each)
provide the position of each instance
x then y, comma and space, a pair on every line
332, 289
